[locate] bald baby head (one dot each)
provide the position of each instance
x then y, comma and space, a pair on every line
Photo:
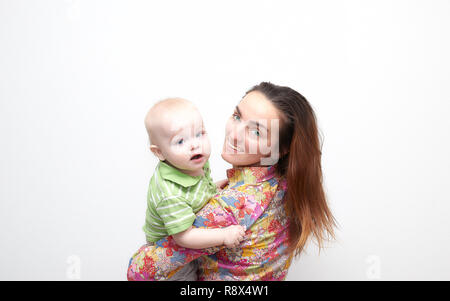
163, 115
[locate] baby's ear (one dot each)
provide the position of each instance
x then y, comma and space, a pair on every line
157, 152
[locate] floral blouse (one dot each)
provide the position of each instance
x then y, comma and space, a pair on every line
254, 199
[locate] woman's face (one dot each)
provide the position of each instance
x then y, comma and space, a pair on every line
251, 133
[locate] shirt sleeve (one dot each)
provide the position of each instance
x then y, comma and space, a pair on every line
176, 214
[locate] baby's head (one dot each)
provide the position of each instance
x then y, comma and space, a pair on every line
177, 135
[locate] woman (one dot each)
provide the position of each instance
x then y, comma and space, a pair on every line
274, 189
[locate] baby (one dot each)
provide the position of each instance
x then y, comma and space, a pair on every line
181, 183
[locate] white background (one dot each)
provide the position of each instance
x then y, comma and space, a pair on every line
77, 77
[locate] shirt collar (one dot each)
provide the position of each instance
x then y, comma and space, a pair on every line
251, 175
170, 173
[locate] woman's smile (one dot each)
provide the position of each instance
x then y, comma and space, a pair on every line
232, 148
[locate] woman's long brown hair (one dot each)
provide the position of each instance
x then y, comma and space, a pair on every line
305, 198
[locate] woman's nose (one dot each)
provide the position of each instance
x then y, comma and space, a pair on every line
236, 134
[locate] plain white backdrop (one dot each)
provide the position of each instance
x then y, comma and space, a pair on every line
77, 77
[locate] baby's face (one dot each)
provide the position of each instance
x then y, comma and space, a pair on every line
185, 143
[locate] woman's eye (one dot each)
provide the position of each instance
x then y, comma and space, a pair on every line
200, 134
236, 117
256, 132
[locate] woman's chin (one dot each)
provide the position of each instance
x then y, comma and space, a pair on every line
241, 159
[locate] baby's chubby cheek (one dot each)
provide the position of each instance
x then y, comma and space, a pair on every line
181, 158
206, 149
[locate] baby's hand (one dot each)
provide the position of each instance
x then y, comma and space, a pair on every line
233, 235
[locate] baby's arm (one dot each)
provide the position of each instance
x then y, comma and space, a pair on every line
201, 238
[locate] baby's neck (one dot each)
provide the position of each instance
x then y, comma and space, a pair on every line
192, 173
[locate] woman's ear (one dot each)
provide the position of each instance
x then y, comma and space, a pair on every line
157, 152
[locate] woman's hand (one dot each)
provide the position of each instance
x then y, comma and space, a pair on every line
221, 184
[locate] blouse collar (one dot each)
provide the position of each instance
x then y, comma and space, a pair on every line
251, 175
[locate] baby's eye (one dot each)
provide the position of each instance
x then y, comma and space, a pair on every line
199, 134
180, 142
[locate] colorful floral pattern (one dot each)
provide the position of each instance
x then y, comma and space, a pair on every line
253, 198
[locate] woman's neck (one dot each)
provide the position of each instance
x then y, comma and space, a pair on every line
250, 165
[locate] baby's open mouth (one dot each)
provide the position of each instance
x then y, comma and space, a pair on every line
195, 157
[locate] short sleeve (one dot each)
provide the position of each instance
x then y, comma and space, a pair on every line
176, 214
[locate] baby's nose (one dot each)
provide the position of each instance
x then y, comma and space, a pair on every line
195, 144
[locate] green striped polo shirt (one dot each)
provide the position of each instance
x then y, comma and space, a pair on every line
173, 198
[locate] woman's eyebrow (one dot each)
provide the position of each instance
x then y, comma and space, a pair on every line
239, 111
259, 125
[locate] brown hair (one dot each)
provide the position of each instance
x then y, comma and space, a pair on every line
305, 198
